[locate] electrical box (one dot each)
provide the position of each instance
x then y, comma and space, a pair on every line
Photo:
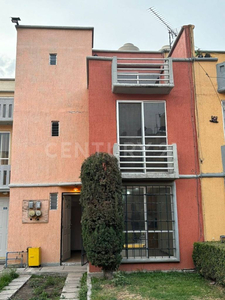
34, 257
38, 205
31, 204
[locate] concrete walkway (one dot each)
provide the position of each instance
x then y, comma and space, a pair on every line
13, 287
51, 270
70, 290
71, 287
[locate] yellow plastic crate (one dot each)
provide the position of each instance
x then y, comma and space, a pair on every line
34, 257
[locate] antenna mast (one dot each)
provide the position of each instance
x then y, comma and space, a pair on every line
172, 33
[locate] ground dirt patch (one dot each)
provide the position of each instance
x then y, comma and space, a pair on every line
41, 287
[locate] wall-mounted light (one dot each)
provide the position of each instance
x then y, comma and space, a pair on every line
214, 119
77, 189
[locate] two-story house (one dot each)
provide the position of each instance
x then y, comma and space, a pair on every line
71, 101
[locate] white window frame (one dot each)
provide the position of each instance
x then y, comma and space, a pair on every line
171, 259
9, 158
142, 117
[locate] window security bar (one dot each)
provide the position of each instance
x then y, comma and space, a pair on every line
149, 222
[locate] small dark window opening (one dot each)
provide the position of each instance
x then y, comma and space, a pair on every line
53, 59
53, 201
55, 128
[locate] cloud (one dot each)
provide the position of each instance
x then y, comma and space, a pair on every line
7, 66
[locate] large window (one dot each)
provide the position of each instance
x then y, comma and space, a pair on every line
150, 223
142, 137
4, 148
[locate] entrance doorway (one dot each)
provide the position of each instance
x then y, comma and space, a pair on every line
4, 207
71, 244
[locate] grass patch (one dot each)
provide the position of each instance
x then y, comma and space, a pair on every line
83, 287
7, 277
41, 287
157, 285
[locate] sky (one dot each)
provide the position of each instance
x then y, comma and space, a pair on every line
115, 22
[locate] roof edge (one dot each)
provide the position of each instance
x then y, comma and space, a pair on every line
53, 27
128, 51
57, 28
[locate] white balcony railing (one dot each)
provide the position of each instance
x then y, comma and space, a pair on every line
142, 75
5, 172
6, 109
147, 161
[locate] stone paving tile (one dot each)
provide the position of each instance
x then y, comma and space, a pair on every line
13, 287
69, 295
69, 289
72, 286
3, 297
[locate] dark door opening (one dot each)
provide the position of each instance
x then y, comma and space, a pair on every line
71, 245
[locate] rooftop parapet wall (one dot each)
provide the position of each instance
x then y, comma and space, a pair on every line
183, 46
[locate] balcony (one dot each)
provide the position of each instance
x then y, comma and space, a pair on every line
147, 161
5, 171
6, 110
142, 75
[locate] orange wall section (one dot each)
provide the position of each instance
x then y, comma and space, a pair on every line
179, 108
181, 129
46, 93
44, 235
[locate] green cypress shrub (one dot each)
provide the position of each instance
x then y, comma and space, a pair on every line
209, 260
102, 216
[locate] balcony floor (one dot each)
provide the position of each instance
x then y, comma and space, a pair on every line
150, 175
141, 89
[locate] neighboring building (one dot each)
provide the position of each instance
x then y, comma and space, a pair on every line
7, 87
209, 73
71, 101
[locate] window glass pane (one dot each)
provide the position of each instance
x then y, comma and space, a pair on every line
154, 119
52, 59
55, 128
130, 119
4, 148
135, 214
53, 201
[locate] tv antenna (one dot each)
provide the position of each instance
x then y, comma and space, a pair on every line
172, 33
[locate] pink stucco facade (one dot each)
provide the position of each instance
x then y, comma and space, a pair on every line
46, 93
